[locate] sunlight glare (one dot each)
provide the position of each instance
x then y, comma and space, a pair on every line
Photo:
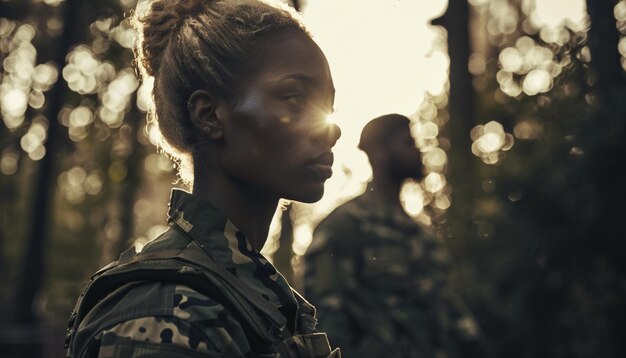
332, 118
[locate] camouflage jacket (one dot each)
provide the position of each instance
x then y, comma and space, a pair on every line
166, 316
378, 281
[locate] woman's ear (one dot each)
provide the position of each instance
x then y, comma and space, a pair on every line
201, 107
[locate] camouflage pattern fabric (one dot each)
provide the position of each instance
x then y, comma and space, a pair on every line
197, 324
379, 283
156, 319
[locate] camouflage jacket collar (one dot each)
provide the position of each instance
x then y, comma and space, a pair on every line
223, 242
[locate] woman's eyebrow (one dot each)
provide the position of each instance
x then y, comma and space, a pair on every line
300, 77
310, 80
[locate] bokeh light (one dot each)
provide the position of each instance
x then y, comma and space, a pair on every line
528, 129
14, 104
22, 81
84, 72
32, 142
434, 182
537, 81
9, 161
527, 67
116, 98
490, 141
124, 34
412, 198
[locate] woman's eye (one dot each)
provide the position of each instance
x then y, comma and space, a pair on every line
296, 99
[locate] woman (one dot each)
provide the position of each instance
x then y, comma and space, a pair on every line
241, 95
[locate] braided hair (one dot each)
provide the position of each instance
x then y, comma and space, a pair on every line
186, 45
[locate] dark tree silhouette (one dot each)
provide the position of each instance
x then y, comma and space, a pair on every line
603, 39
461, 107
33, 262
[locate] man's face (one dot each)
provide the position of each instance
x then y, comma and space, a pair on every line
404, 159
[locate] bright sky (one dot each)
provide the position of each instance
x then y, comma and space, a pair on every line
553, 12
381, 60
378, 52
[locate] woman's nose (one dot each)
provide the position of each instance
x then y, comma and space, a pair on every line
327, 132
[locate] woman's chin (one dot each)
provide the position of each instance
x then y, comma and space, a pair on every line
307, 195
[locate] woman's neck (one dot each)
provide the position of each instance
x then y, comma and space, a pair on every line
249, 210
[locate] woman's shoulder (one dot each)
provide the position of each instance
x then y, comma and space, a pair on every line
167, 318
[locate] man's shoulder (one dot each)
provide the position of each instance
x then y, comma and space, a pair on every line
345, 214
339, 230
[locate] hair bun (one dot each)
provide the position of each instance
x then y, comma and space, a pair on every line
186, 7
162, 20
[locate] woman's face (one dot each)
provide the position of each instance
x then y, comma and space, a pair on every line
277, 140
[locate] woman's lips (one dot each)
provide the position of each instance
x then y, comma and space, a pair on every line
320, 170
321, 166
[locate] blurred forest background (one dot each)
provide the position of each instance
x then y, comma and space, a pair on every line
525, 183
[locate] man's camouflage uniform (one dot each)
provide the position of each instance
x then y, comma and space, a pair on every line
165, 318
379, 283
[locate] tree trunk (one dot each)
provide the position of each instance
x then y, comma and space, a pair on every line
604, 135
610, 85
461, 108
603, 40
32, 273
